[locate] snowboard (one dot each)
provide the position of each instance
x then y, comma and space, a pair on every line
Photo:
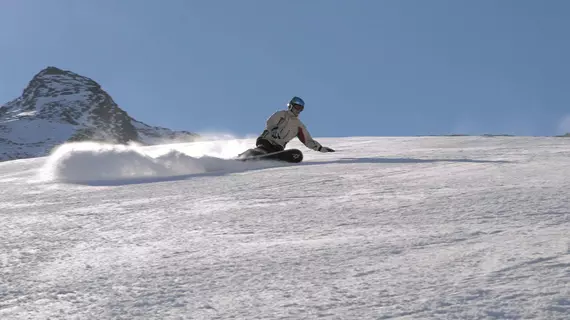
289, 155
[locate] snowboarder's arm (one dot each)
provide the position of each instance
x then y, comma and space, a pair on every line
275, 120
272, 125
305, 137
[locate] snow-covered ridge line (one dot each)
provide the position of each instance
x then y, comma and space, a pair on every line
59, 106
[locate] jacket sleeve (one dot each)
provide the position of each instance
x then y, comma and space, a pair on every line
305, 137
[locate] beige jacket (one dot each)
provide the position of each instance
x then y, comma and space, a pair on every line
283, 126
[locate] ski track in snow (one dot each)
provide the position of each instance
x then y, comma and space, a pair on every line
386, 228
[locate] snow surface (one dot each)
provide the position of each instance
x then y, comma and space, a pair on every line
386, 228
31, 131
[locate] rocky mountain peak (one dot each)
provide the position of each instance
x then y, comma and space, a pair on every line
71, 107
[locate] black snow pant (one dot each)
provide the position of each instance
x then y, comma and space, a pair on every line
267, 145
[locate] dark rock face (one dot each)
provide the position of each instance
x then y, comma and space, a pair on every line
59, 106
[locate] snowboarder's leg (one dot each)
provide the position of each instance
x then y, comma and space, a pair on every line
265, 145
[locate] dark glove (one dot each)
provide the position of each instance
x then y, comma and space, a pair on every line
274, 133
326, 149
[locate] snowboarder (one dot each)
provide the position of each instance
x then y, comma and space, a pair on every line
285, 125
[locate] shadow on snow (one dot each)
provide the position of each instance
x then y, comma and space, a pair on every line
142, 180
398, 160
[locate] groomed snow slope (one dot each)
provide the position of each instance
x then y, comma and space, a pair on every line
386, 228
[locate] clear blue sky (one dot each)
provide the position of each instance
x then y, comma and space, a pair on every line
376, 67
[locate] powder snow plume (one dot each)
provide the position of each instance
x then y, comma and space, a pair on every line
85, 162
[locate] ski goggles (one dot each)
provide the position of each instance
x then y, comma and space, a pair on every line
297, 107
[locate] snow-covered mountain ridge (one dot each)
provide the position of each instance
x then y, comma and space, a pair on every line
59, 106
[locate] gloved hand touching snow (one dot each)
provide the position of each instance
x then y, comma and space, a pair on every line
326, 149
